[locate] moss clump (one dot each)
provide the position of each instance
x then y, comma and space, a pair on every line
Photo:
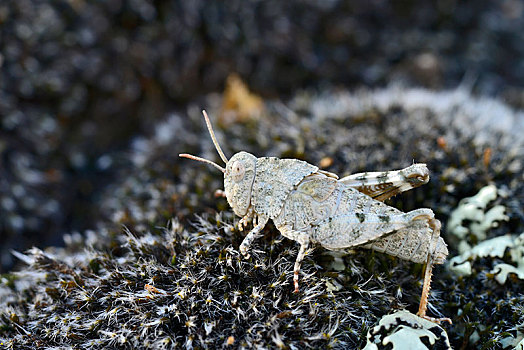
185, 288
169, 284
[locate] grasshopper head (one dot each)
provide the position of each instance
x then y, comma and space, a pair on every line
238, 181
239, 174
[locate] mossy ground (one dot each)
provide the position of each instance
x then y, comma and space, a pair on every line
174, 277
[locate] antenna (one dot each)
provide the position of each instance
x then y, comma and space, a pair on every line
212, 133
185, 155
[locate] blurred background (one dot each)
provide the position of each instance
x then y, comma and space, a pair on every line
80, 79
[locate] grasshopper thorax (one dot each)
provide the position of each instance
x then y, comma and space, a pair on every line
238, 181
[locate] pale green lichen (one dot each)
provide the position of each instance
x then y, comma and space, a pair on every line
473, 210
403, 330
495, 248
501, 272
514, 343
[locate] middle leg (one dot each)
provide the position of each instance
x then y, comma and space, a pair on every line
250, 237
303, 239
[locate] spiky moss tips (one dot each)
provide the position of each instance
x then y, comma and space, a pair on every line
370, 130
124, 285
185, 288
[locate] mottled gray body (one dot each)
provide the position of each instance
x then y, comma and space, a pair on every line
309, 205
342, 217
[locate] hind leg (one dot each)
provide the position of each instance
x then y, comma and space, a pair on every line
384, 185
418, 241
433, 257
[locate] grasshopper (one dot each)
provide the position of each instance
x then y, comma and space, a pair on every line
309, 205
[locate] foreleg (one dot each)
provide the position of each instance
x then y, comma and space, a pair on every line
246, 219
250, 237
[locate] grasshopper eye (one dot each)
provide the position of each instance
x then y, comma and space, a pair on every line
237, 171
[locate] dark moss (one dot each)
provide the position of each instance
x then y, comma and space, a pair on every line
150, 283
